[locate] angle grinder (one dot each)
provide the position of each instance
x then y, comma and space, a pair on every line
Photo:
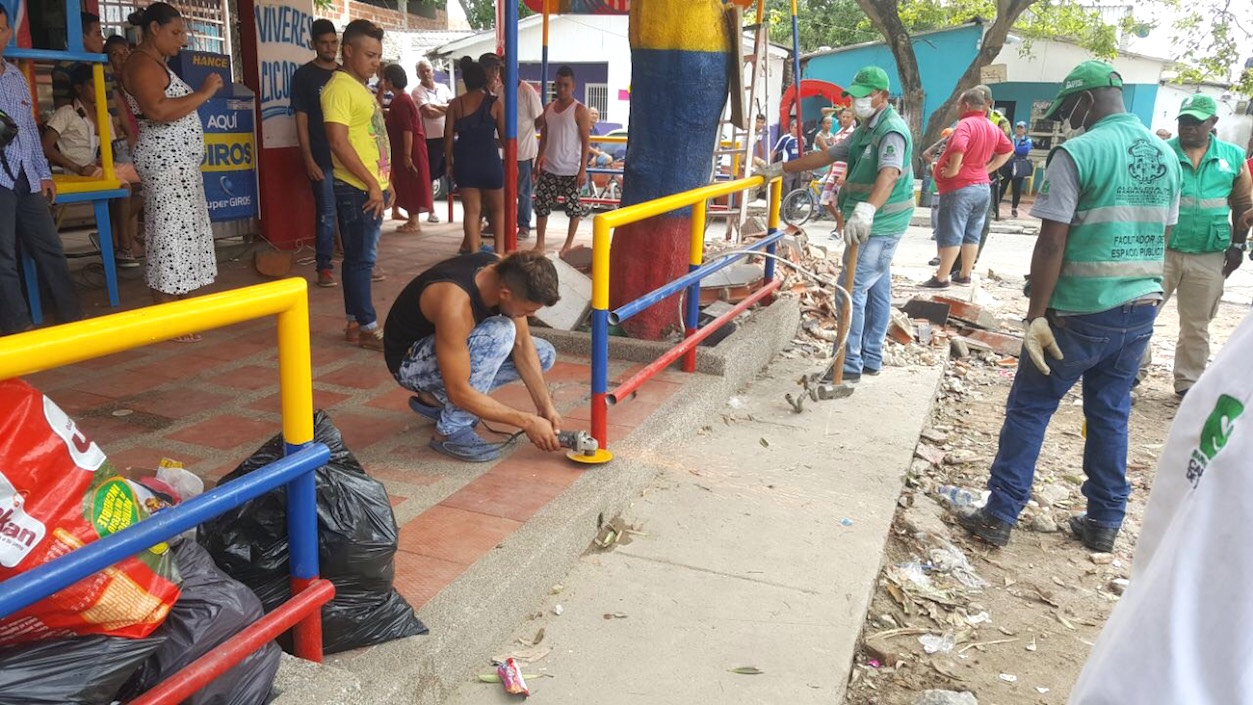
583, 448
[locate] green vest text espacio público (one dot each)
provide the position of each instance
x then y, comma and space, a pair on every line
1128, 180
892, 218
1204, 211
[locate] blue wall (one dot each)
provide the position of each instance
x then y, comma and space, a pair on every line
942, 57
1138, 97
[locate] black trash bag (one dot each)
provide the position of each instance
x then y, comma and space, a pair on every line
84, 670
211, 609
357, 538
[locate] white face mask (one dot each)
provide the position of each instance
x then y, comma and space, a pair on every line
863, 108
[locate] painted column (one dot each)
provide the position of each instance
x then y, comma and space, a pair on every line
679, 64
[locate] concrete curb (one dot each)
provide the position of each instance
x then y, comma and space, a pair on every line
481, 607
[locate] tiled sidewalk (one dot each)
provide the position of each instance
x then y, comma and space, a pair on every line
211, 404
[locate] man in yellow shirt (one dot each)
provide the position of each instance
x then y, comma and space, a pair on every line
360, 154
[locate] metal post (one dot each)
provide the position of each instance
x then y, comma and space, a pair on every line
796, 78
772, 224
295, 371
696, 257
73, 26
543, 62
600, 330
510, 226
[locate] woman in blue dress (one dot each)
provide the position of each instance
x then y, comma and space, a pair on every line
473, 134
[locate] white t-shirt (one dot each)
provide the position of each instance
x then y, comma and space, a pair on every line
1183, 631
529, 108
441, 96
76, 133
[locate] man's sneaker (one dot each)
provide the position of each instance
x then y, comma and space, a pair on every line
467, 445
934, 283
1098, 538
378, 275
371, 340
850, 377
984, 527
326, 280
935, 262
430, 413
125, 259
432, 218
524, 234
959, 279
870, 371
352, 333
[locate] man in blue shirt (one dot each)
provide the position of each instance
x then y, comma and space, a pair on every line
26, 190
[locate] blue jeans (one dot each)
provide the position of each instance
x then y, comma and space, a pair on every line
962, 215
524, 193
360, 235
324, 227
1103, 349
872, 304
491, 367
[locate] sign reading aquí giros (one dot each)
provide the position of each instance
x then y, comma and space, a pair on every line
283, 28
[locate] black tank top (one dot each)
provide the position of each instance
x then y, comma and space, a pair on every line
405, 323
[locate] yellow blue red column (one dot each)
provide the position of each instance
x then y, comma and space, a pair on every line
679, 63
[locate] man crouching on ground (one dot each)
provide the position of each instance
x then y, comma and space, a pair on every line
458, 331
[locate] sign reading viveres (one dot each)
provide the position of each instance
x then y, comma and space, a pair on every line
283, 44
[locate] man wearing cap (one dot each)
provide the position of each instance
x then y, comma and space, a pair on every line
1208, 244
877, 201
1108, 201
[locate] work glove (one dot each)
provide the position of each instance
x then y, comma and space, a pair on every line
857, 227
772, 171
1037, 337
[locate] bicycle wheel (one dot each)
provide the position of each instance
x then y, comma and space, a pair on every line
798, 207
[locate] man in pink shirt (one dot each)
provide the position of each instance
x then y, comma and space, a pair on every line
976, 149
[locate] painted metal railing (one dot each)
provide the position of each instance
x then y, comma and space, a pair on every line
30, 352
603, 317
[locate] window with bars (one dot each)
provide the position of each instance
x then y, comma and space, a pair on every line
596, 95
205, 19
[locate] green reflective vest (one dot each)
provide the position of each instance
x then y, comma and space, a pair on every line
1204, 213
892, 219
1128, 180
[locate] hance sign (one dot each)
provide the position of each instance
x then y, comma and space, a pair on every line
283, 28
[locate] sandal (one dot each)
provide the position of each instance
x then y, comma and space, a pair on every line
466, 445
407, 228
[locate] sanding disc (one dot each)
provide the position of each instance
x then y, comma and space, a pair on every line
597, 458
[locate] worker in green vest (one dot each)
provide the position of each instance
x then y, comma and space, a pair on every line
877, 201
1108, 201
1208, 244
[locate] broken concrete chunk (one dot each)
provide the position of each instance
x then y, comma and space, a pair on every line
1048, 495
1044, 524
929, 453
946, 697
1000, 343
879, 650
934, 436
1101, 558
960, 456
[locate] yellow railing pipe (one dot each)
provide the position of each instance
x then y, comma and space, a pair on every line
26, 353
665, 204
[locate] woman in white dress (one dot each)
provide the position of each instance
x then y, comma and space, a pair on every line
177, 234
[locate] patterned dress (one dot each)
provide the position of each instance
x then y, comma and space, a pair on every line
178, 240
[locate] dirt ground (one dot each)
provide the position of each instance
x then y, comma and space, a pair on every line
1024, 637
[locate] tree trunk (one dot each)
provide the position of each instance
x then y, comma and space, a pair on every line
679, 66
885, 16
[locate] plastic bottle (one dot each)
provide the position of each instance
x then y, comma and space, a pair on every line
959, 497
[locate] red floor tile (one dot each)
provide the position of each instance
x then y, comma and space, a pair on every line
529, 464
359, 376
223, 348
116, 384
391, 473
145, 459
321, 400
181, 366
249, 377
515, 395
654, 391
508, 490
178, 403
108, 430
115, 360
361, 431
74, 401
394, 399
564, 371
420, 578
630, 413
454, 535
226, 431
56, 378
325, 354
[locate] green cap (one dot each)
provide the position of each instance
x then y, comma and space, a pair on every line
1199, 106
867, 81
1085, 77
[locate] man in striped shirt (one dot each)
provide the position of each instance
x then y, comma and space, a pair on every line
26, 190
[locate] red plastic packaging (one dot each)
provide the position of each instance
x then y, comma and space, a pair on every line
511, 677
58, 492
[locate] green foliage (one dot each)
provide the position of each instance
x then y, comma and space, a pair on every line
481, 14
829, 23
1071, 21
1209, 39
